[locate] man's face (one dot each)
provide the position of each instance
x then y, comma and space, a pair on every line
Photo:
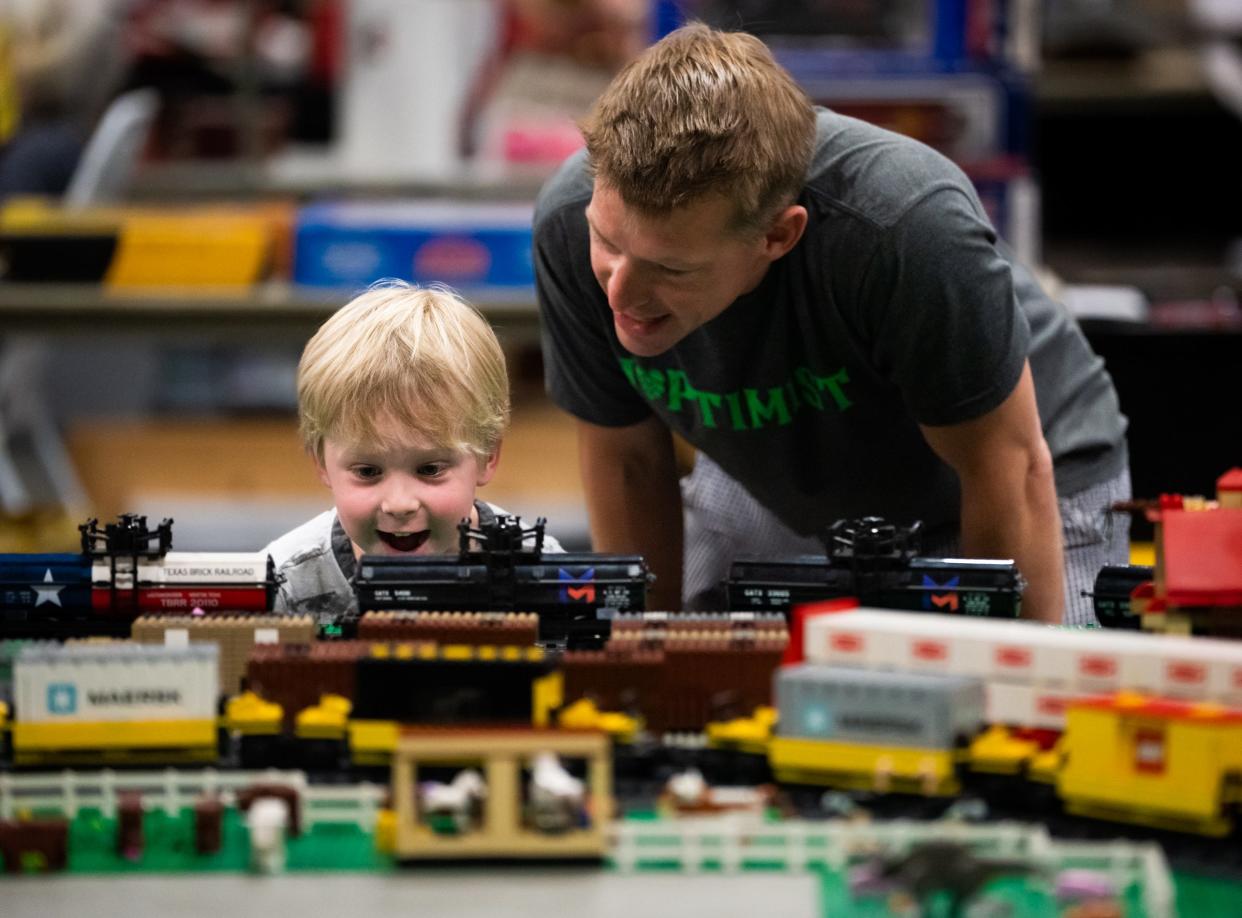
667, 275
402, 499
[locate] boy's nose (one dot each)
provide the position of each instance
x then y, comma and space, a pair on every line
400, 501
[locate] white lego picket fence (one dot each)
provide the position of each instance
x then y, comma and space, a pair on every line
172, 790
730, 844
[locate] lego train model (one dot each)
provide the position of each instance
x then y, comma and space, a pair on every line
125, 569
1121, 727
1134, 728
501, 567
877, 563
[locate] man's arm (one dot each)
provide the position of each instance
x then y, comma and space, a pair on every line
634, 500
1009, 500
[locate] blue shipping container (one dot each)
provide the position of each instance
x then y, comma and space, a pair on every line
463, 245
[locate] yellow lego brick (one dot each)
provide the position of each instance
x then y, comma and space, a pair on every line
128, 735
853, 765
251, 715
547, 694
372, 740
584, 715
386, 832
326, 720
747, 734
1126, 763
996, 751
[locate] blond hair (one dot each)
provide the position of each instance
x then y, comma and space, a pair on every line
421, 358
699, 112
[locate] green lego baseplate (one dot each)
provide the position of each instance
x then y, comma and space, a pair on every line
168, 847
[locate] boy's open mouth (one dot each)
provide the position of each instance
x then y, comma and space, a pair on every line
411, 542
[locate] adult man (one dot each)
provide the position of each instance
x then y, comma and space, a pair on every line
822, 309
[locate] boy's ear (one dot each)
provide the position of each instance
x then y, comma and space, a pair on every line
488, 468
320, 469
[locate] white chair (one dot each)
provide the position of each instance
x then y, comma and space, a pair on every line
110, 159
35, 467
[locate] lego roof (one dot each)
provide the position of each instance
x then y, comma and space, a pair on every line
1231, 480
1166, 708
1202, 556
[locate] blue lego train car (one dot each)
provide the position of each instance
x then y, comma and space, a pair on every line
28, 581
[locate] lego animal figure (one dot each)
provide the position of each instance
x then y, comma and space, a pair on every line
267, 819
933, 867
557, 798
688, 793
687, 789
454, 807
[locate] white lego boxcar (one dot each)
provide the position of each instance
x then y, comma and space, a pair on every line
1031, 671
115, 701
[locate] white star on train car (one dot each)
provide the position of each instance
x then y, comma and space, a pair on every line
49, 594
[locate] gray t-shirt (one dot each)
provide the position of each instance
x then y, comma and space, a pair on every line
317, 564
898, 307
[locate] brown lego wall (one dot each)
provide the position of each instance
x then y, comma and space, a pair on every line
473, 628
295, 676
678, 682
235, 635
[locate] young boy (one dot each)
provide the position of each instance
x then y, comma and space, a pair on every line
403, 399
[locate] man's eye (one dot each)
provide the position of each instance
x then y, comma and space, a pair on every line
599, 241
673, 272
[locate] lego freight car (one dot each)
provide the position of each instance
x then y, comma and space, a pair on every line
502, 568
877, 563
115, 702
123, 571
873, 729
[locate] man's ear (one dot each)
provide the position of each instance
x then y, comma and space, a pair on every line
487, 468
784, 231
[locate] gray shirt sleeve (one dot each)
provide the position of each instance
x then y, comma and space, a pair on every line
940, 311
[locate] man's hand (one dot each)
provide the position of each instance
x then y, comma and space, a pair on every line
1009, 500
634, 499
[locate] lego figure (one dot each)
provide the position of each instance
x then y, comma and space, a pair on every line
266, 820
403, 399
823, 310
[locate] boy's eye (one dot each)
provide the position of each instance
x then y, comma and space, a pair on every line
432, 469
368, 472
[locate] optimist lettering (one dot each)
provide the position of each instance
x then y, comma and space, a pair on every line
741, 409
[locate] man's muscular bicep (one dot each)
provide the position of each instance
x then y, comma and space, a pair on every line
634, 500
1008, 436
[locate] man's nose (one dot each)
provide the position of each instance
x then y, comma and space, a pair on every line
626, 287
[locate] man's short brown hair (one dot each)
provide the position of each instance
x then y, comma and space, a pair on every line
703, 111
